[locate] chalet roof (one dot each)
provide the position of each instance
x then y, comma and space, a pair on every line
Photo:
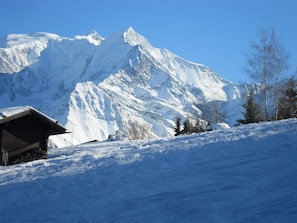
12, 113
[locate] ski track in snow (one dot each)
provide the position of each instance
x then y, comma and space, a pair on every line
242, 174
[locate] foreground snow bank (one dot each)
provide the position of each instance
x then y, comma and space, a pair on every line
243, 174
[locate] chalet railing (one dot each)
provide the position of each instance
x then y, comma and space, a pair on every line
19, 150
22, 154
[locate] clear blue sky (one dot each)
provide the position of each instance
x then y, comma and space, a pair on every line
212, 32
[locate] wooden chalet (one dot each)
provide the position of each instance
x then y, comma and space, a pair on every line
24, 134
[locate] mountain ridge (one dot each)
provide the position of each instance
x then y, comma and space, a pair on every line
98, 86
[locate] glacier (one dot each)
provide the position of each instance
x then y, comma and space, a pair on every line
98, 87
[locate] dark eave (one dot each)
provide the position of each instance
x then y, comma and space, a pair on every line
55, 127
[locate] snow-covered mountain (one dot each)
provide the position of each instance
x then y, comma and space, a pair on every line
242, 174
98, 86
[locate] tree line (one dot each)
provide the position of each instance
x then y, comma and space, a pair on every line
267, 65
286, 105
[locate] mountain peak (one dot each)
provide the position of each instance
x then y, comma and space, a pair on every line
93, 38
134, 39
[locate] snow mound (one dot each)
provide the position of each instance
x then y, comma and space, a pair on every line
220, 126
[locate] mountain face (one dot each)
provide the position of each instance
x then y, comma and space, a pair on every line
97, 87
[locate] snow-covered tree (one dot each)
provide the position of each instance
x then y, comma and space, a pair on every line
187, 126
198, 126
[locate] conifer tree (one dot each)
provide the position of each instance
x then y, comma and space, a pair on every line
187, 126
177, 126
252, 113
288, 101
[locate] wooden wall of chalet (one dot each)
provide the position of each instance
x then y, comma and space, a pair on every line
24, 139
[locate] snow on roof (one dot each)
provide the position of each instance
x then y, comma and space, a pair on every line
7, 112
11, 111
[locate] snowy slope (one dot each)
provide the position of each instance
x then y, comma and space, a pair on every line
242, 174
98, 86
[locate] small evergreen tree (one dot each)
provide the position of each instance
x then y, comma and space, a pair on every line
187, 126
252, 113
288, 101
177, 126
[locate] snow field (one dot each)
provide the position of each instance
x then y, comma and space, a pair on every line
242, 174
